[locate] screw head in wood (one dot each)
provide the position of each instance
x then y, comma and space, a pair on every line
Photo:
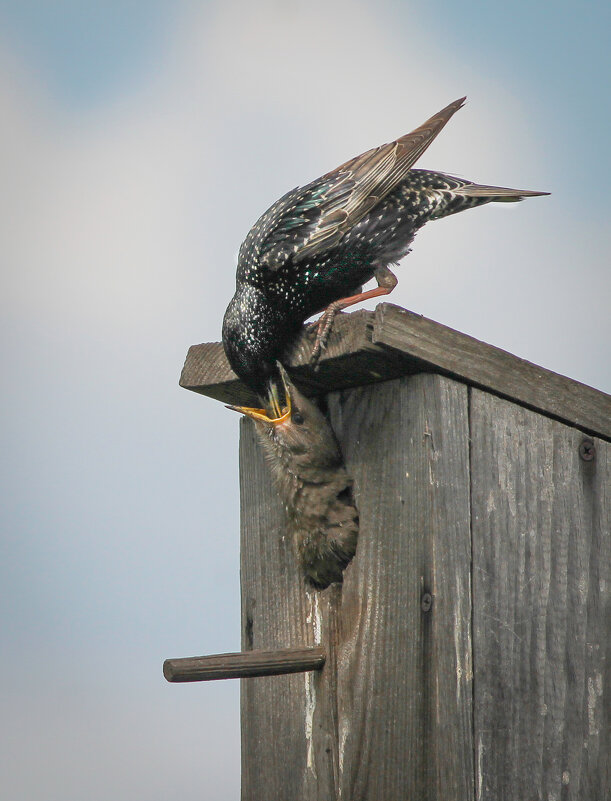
426, 602
587, 450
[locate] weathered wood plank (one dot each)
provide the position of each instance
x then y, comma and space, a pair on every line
244, 664
404, 674
366, 347
286, 724
390, 713
322, 781
491, 368
349, 360
541, 594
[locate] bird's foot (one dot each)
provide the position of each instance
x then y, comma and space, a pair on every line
323, 330
387, 281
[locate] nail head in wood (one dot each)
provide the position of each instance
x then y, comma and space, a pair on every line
587, 450
426, 602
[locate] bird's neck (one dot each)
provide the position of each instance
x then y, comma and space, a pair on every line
256, 333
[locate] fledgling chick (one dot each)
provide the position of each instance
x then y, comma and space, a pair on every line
308, 470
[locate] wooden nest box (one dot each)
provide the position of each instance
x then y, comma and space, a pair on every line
466, 655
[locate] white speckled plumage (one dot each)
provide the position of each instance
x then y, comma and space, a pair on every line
319, 243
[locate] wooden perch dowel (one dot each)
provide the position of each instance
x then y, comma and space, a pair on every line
244, 665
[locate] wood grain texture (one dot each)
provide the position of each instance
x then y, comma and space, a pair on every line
348, 360
404, 675
368, 347
288, 732
244, 664
390, 713
499, 688
542, 614
487, 367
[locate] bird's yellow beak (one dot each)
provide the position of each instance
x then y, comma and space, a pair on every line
282, 413
261, 414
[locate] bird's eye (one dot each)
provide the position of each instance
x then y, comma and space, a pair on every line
297, 417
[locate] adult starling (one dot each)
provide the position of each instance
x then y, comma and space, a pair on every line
309, 473
317, 245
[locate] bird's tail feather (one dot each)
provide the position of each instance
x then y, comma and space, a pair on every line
501, 194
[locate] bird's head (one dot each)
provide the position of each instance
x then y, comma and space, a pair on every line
295, 430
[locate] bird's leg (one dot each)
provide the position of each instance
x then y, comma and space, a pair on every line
387, 281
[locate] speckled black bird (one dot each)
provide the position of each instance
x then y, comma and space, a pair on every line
315, 489
317, 245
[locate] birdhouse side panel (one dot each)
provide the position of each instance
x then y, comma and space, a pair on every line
541, 595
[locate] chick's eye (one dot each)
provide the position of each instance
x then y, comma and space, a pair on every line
297, 417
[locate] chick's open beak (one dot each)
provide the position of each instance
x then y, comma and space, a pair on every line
261, 414
281, 413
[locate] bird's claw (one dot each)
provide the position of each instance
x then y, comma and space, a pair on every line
324, 326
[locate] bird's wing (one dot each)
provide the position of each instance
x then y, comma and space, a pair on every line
292, 222
312, 219
351, 190
280, 231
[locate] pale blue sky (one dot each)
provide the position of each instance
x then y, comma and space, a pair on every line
90, 50
139, 143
